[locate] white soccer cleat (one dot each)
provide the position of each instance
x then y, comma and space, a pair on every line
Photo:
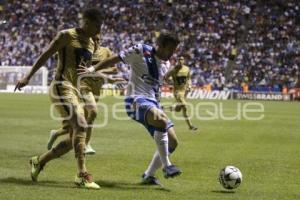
89, 150
84, 180
52, 139
36, 168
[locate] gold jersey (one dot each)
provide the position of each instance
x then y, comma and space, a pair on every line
78, 50
180, 77
101, 53
94, 84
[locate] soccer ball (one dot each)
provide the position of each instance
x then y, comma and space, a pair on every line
230, 177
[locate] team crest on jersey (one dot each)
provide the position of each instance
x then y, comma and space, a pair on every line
147, 55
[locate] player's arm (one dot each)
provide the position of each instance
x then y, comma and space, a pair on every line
111, 61
56, 44
111, 70
124, 56
109, 78
168, 75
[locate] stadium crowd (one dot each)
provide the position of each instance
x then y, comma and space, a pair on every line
227, 43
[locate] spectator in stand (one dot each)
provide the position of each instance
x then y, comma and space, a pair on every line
228, 43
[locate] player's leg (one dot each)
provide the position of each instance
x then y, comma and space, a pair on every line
38, 162
187, 118
90, 115
182, 105
67, 102
54, 134
149, 175
82, 178
79, 125
177, 106
156, 118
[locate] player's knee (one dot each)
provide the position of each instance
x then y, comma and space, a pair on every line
92, 115
79, 124
178, 108
157, 119
162, 123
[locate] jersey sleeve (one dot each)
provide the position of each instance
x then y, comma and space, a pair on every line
61, 39
128, 55
109, 52
165, 67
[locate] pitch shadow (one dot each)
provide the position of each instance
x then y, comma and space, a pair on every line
122, 185
28, 182
223, 191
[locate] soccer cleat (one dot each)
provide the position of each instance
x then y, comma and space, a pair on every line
85, 180
171, 171
167, 108
89, 150
51, 140
36, 168
149, 180
193, 128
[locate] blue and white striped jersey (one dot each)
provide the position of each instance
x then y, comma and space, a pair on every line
147, 71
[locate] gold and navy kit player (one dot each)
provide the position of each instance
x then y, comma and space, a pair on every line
181, 77
63, 89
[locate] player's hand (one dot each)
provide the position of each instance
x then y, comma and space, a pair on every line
85, 70
21, 83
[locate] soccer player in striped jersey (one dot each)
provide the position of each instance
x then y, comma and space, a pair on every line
73, 46
141, 105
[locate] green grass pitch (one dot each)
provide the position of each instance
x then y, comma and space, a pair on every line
266, 151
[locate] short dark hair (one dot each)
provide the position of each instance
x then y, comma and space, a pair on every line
166, 38
92, 14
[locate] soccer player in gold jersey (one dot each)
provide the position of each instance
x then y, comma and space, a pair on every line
181, 84
74, 46
90, 90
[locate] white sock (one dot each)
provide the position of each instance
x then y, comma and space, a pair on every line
154, 165
161, 140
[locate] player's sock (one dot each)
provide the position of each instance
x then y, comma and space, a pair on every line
161, 140
51, 139
154, 165
79, 146
187, 119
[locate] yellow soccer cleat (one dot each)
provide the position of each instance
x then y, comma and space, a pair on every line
85, 180
36, 168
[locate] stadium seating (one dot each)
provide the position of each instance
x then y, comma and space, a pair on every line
226, 43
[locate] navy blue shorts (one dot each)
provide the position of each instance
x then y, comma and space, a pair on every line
139, 111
